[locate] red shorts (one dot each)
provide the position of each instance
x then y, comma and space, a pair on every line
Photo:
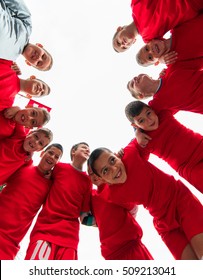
43, 250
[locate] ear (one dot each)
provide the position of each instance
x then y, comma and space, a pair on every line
32, 77
28, 95
39, 45
140, 96
119, 28
28, 106
27, 62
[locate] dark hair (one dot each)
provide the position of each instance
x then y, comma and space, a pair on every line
56, 145
94, 156
75, 146
133, 109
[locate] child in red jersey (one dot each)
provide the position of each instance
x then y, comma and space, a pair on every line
25, 192
177, 213
152, 19
11, 84
17, 150
176, 90
179, 146
27, 117
120, 234
184, 40
55, 235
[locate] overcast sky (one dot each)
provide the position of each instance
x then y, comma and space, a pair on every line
88, 91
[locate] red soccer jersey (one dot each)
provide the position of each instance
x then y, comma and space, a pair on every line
118, 229
9, 84
20, 200
12, 154
155, 18
58, 220
170, 202
180, 90
7, 126
179, 146
187, 42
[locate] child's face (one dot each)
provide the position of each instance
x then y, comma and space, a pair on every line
37, 56
82, 152
123, 40
147, 119
50, 158
152, 51
30, 117
110, 168
36, 88
35, 142
139, 86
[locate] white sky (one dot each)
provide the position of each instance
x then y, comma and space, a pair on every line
88, 91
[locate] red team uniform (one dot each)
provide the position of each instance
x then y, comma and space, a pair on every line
58, 221
20, 200
180, 90
155, 18
179, 146
177, 213
12, 154
120, 234
9, 84
7, 126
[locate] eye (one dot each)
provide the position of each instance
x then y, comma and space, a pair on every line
39, 63
34, 123
141, 121
104, 171
112, 160
41, 144
146, 48
150, 57
44, 56
118, 43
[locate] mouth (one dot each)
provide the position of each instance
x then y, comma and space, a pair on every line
156, 49
118, 175
31, 145
50, 162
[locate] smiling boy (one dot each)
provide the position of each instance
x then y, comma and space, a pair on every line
55, 235
11, 84
153, 19
25, 192
17, 150
168, 139
177, 214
